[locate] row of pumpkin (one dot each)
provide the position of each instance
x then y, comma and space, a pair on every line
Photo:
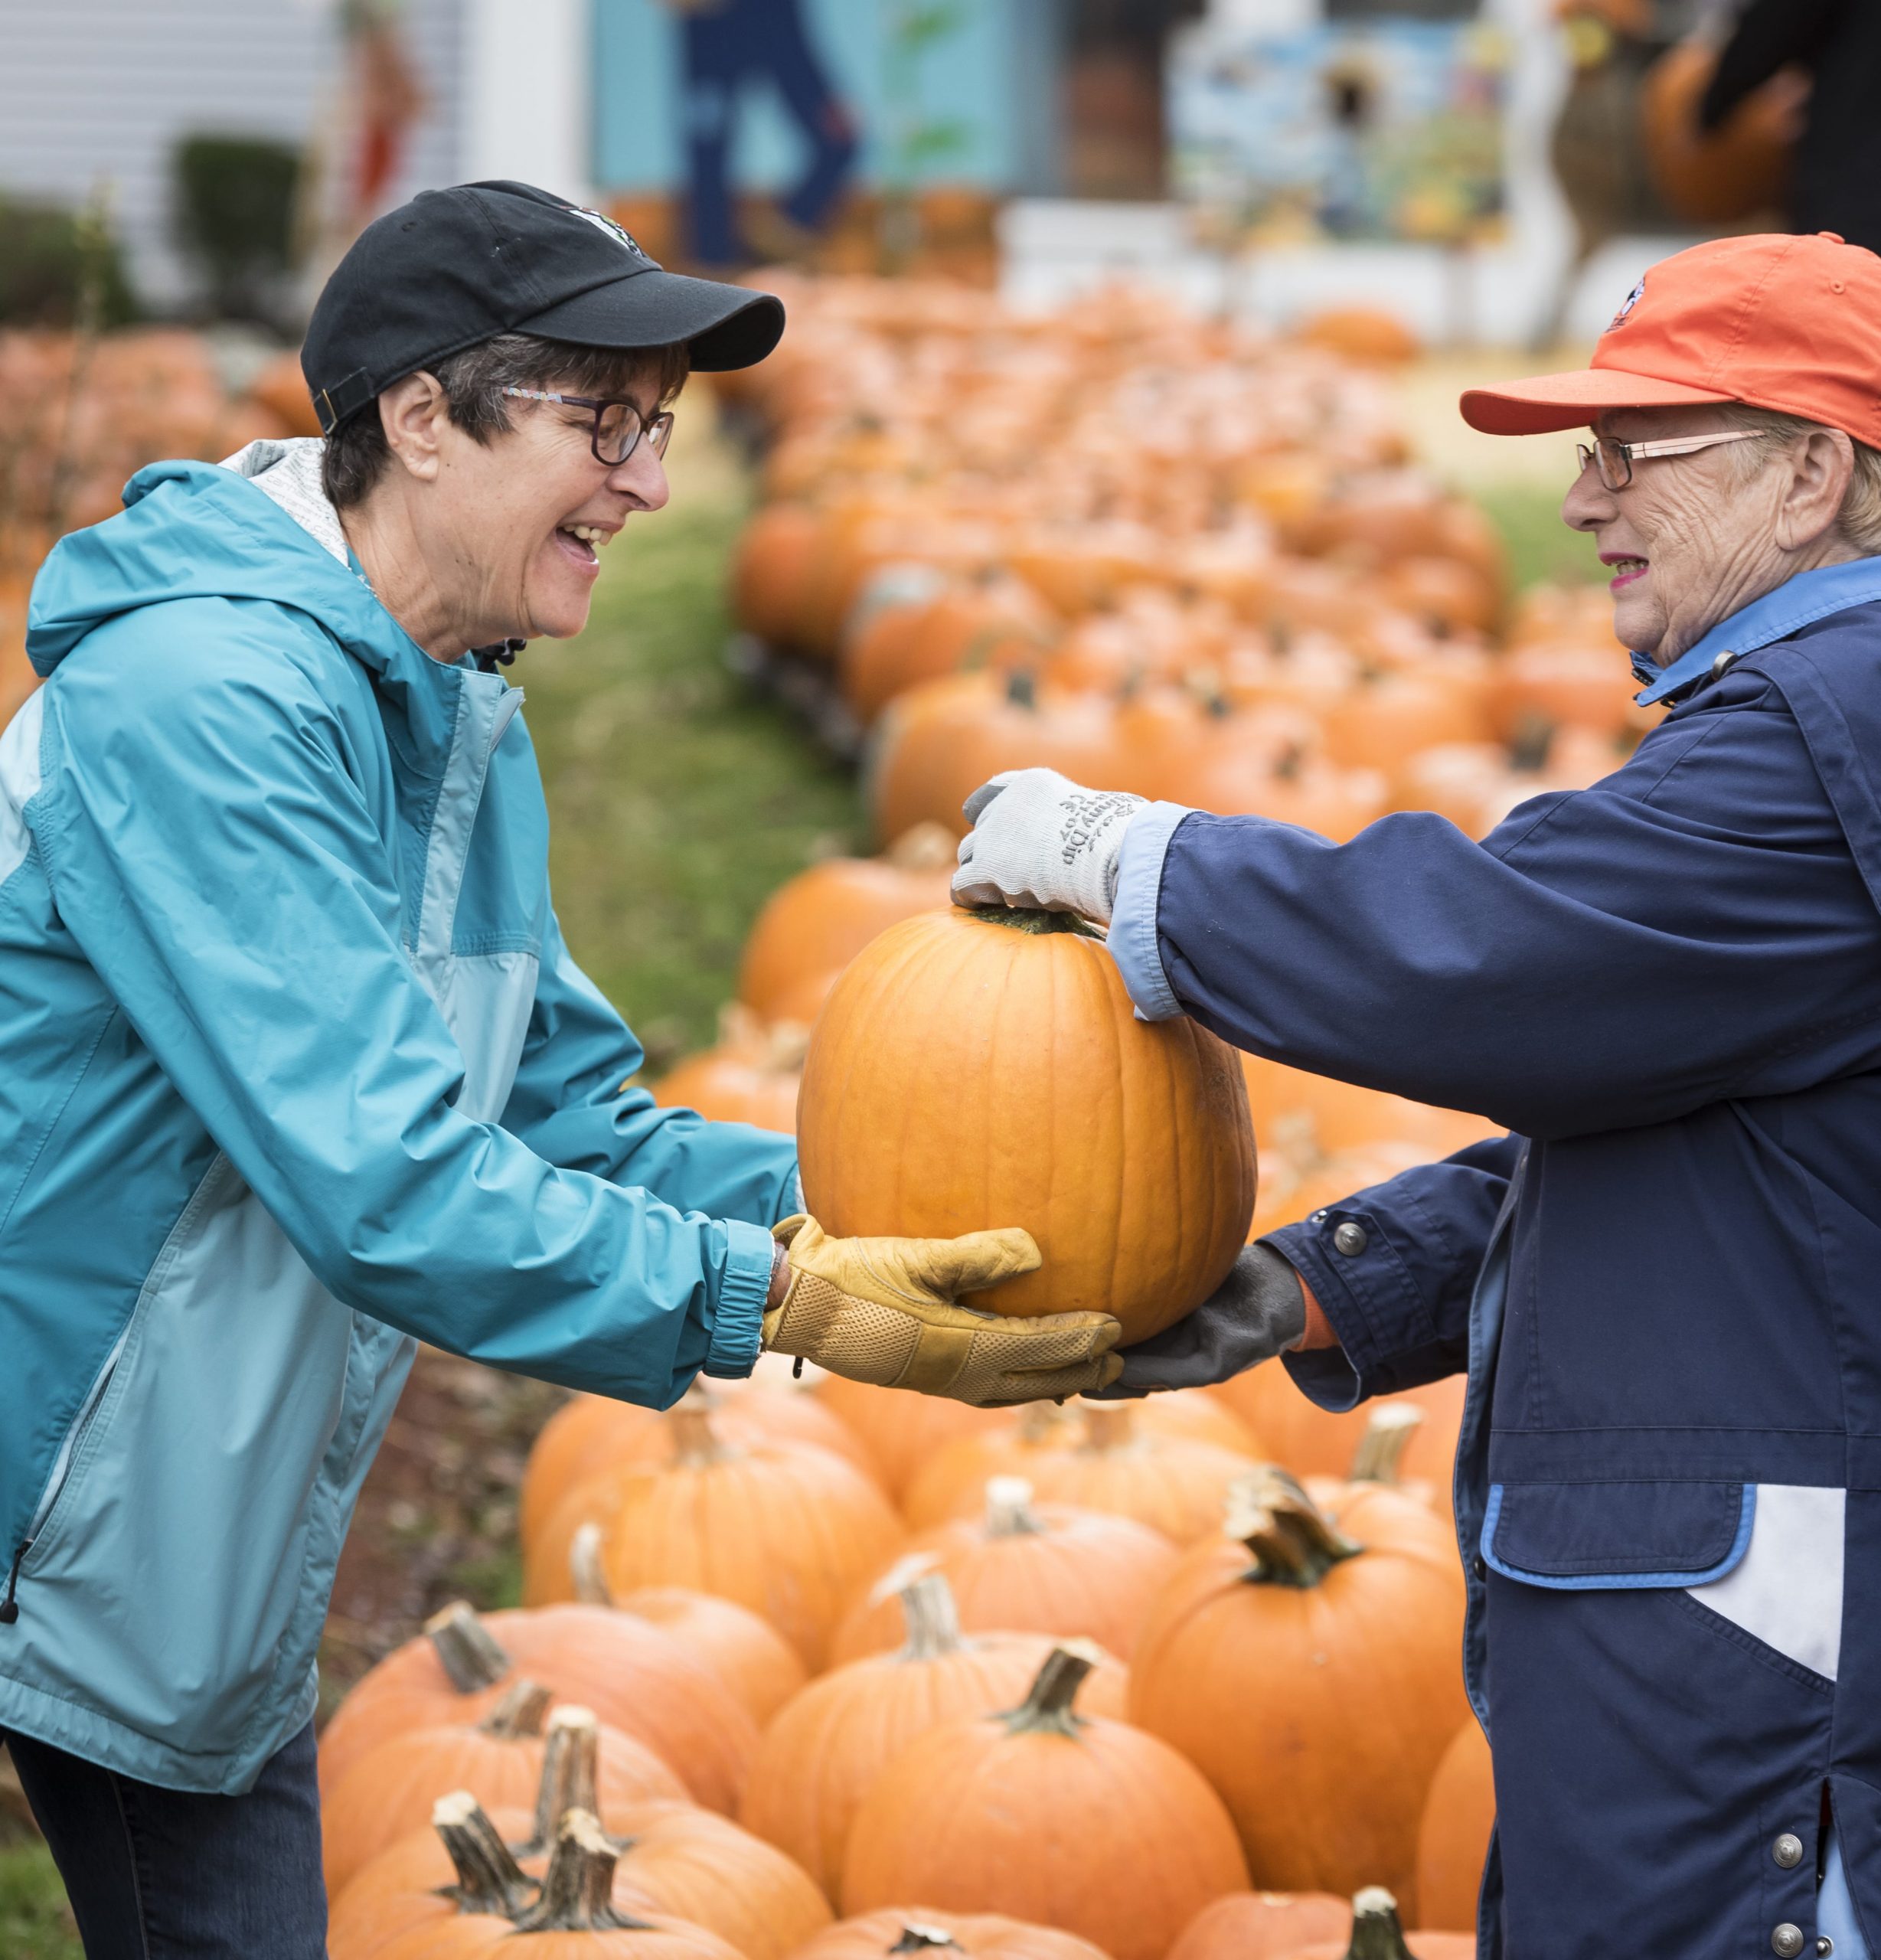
1053, 1684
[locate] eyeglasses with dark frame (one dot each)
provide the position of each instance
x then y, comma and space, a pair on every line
1614, 460
618, 425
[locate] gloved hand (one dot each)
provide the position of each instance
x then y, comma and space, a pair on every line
1258, 1312
1040, 841
884, 1310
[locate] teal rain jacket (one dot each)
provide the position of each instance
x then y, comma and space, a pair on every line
294, 1067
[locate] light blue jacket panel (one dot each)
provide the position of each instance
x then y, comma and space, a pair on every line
294, 1066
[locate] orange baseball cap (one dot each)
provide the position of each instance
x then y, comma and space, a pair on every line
1775, 320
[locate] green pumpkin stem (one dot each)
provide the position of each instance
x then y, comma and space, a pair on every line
1376, 1934
577, 1891
1293, 1541
467, 1650
1047, 1709
488, 1878
1380, 1451
1026, 918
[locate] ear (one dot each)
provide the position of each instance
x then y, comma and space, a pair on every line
414, 413
1822, 464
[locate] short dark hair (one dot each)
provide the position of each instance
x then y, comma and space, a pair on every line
473, 381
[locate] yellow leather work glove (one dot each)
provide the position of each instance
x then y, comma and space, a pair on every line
884, 1310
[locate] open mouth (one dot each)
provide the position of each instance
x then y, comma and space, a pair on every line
1625, 571
582, 542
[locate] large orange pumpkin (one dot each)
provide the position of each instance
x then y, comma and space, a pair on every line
1260, 1925
997, 623
814, 924
1376, 1934
1042, 1813
774, 572
1026, 1568
574, 1918
825, 1750
638, 1679
1317, 1656
1453, 1841
1109, 1458
389, 1790
753, 1659
897, 1931
954, 1036
786, 1528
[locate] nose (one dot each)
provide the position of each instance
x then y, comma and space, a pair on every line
1588, 503
642, 478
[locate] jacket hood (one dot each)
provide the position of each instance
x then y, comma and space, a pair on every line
197, 529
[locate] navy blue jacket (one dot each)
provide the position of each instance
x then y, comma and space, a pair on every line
1666, 1283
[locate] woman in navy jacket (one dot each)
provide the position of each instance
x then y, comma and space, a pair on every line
1665, 1284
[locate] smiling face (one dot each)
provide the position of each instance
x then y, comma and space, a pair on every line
1692, 539
472, 535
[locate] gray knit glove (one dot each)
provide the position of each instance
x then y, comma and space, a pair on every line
1258, 1312
1046, 843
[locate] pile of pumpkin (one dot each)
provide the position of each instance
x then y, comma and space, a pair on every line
812, 1669
79, 416
1160, 554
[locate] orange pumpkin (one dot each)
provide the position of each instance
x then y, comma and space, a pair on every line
900, 1431
389, 1790
774, 573
1315, 1655
1376, 1934
1725, 175
1040, 1812
1108, 1458
1453, 1840
1313, 1442
1567, 684
1026, 1568
637, 1678
786, 1528
899, 1930
813, 925
752, 1658
1361, 333
1377, 725
574, 1918
1137, 1176
823, 1753
995, 623
1260, 1925
749, 1076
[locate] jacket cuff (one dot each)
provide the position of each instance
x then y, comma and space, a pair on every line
738, 1322
1133, 944
1368, 1297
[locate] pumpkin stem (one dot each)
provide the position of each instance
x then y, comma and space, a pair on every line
1108, 1425
1022, 687
926, 846
932, 1620
577, 1889
1293, 1541
1037, 1420
695, 1442
1009, 1512
1023, 919
467, 1650
571, 1762
1380, 1451
584, 1567
923, 1939
488, 1878
1047, 1708
1376, 1934
519, 1714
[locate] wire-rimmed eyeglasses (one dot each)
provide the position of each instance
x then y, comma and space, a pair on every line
618, 425
1614, 460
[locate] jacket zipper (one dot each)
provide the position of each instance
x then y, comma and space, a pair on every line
61, 1471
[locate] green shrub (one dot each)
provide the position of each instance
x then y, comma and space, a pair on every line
48, 255
235, 199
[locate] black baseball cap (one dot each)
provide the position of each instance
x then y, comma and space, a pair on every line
454, 267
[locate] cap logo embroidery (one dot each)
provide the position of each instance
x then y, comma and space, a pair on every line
1627, 304
617, 232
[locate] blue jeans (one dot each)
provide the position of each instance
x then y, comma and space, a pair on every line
726, 48
158, 1874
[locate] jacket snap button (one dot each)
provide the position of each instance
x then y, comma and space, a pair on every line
1824, 1947
1349, 1239
1787, 1850
1787, 1942
1721, 664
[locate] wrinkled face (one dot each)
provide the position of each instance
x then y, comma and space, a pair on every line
519, 521
1688, 541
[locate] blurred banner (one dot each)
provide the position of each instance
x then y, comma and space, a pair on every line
1381, 128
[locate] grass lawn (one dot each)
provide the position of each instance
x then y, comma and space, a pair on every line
35, 1922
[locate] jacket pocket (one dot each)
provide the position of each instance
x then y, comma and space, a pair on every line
1573, 1538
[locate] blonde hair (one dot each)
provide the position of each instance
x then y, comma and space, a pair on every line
1859, 519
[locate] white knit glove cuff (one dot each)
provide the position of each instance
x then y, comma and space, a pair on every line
1040, 840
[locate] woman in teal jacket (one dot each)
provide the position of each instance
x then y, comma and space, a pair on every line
294, 1065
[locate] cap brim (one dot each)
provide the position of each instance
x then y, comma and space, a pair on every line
1548, 402
724, 326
